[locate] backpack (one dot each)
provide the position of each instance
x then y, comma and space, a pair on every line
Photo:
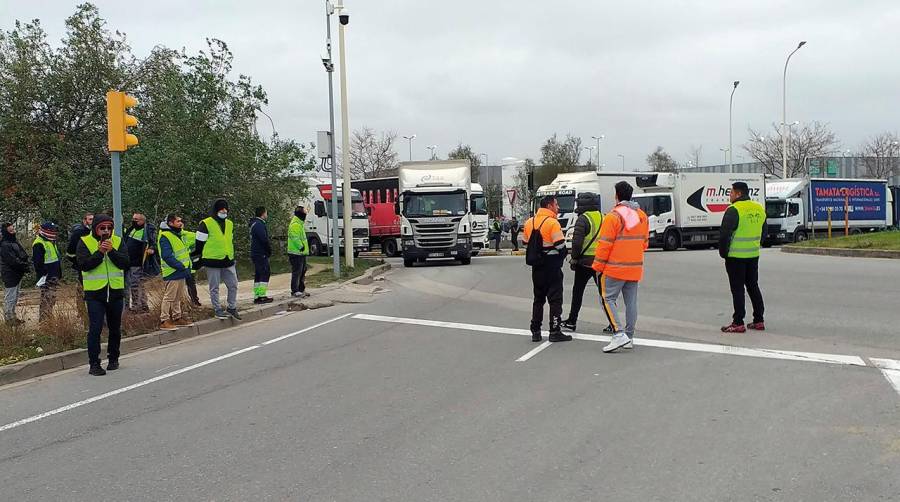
534, 250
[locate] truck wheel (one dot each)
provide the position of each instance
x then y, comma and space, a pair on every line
800, 236
408, 262
315, 247
671, 241
356, 253
855, 231
466, 261
389, 247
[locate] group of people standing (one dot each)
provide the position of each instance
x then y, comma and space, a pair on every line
609, 249
500, 226
106, 263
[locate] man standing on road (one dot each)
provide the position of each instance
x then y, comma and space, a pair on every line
260, 252
215, 245
175, 261
140, 242
103, 260
298, 250
13, 266
496, 232
190, 240
514, 233
47, 267
78, 231
743, 226
585, 236
619, 259
546, 275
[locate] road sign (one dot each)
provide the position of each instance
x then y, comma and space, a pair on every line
511, 195
814, 167
831, 167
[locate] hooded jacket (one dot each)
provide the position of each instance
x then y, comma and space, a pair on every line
53, 271
580, 232
13, 259
89, 261
260, 245
624, 236
77, 231
203, 234
137, 247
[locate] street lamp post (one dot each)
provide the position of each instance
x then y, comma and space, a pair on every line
726, 151
410, 139
598, 138
344, 19
623, 160
784, 144
432, 148
329, 67
730, 145
590, 150
485, 158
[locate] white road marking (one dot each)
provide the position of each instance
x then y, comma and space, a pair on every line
171, 374
533, 352
890, 368
689, 346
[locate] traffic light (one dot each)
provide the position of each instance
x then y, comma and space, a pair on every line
118, 121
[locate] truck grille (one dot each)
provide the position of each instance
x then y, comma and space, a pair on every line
435, 235
360, 232
479, 233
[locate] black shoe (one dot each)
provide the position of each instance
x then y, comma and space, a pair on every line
233, 313
569, 325
97, 370
112, 365
257, 301
559, 337
196, 303
266, 299
536, 336
609, 329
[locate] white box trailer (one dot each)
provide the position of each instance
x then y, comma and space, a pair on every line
686, 209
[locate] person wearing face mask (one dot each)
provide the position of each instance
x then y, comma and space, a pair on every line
103, 260
176, 268
47, 267
260, 252
140, 242
215, 245
13, 266
298, 250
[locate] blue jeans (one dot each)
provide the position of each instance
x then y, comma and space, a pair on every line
111, 311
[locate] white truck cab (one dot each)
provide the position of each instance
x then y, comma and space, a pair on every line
480, 221
318, 219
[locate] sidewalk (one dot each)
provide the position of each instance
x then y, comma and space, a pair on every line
279, 285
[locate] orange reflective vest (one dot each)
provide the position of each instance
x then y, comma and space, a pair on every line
620, 250
551, 233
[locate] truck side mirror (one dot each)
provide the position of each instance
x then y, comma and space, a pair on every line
319, 208
397, 207
472, 207
368, 210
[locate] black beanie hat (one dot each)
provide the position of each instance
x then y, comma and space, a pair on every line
220, 204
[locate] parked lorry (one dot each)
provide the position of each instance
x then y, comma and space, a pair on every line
686, 209
380, 196
435, 220
567, 186
318, 221
796, 209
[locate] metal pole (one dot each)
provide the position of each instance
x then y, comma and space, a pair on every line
115, 160
730, 141
335, 240
598, 154
345, 146
784, 142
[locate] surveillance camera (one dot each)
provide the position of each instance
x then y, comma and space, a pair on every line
344, 17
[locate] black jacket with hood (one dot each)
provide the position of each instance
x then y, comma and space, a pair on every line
201, 229
580, 231
89, 261
13, 260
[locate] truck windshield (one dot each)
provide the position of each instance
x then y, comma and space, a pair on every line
776, 208
357, 208
479, 204
566, 203
434, 204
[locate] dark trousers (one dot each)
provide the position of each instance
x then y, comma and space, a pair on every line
497, 239
111, 311
582, 276
261, 270
191, 283
298, 273
548, 287
514, 238
48, 298
744, 273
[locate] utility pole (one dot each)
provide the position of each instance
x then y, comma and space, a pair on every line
344, 19
784, 141
730, 145
329, 67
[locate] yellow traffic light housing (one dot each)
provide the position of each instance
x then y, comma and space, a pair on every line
118, 121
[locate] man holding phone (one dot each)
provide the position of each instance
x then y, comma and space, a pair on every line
102, 259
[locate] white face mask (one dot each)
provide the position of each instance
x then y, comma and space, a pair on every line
223, 215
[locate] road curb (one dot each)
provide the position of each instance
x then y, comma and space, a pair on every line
849, 253
12, 373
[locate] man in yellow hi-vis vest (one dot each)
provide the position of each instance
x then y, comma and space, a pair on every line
215, 245
585, 235
743, 226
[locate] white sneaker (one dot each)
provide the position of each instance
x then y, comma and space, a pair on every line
298, 294
618, 341
629, 345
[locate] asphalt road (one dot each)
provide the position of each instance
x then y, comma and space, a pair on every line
422, 398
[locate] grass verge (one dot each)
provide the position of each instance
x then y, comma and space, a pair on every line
889, 241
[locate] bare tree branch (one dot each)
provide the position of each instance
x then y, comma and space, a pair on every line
881, 155
810, 141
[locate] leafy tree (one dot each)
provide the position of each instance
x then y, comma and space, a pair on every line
493, 199
524, 193
661, 161
465, 152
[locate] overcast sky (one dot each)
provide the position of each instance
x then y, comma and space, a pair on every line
505, 75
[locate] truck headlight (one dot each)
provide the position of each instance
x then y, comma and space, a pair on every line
462, 240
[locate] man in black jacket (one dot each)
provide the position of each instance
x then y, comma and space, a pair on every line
743, 225
140, 242
260, 252
103, 259
78, 231
47, 267
215, 247
13, 266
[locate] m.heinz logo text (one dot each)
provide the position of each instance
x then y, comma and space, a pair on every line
715, 199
